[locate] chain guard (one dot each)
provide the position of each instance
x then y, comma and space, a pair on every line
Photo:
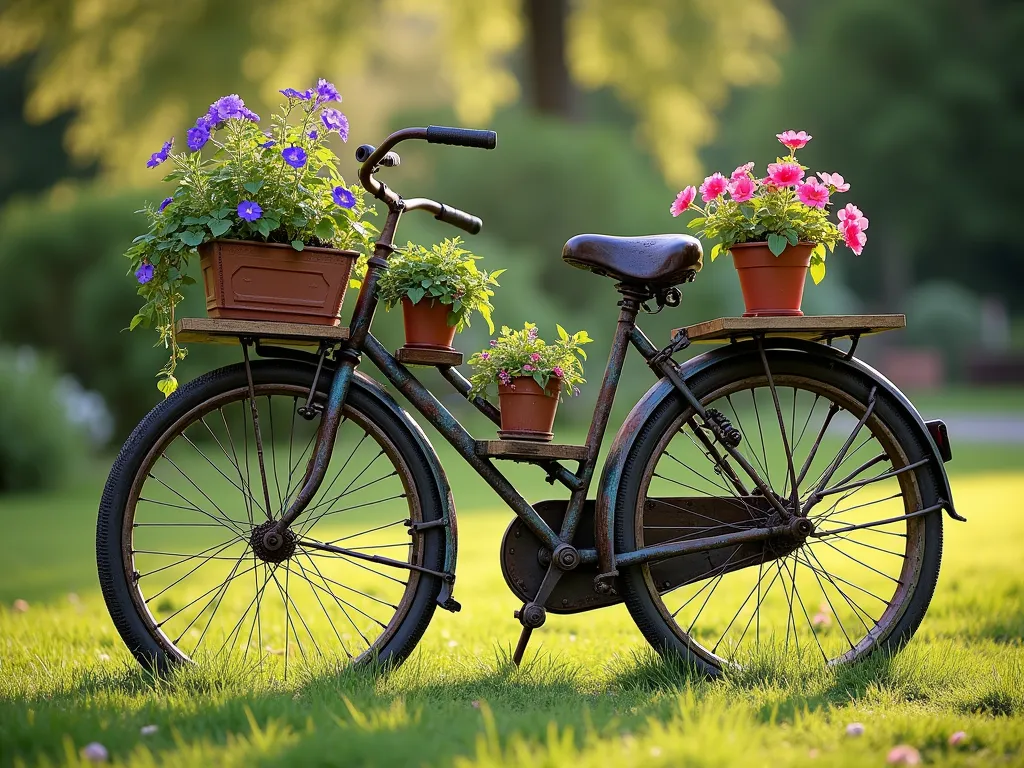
524, 559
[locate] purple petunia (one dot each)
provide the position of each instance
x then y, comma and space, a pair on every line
167, 201
313, 135
268, 144
248, 114
158, 157
326, 91
291, 93
294, 156
144, 273
485, 355
335, 120
226, 108
494, 343
197, 137
343, 198
249, 210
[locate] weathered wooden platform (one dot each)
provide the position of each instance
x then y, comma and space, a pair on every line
814, 328
413, 356
208, 330
528, 449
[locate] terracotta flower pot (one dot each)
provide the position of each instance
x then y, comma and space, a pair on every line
272, 281
772, 285
527, 410
426, 324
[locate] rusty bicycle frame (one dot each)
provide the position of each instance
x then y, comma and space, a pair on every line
565, 557
787, 518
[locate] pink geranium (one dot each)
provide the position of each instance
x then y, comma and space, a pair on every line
683, 201
813, 194
794, 139
742, 189
742, 171
713, 187
851, 216
834, 180
854, 238
785, 174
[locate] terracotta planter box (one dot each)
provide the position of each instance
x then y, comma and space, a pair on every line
272, 281
527, 411
426, 325
773, 286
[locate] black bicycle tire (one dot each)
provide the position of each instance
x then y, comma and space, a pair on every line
636, 595
146, 648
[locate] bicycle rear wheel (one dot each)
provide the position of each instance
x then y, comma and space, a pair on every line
861, 582
180, 528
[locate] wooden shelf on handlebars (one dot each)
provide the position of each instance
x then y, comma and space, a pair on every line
813, 328
529, 450
209, 330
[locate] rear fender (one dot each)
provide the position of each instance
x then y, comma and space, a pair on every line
628, 434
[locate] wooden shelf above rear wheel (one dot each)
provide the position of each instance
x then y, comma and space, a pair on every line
814, 328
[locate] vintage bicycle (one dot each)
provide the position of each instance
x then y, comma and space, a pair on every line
773, 495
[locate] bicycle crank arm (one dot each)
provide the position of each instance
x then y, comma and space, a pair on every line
799, 528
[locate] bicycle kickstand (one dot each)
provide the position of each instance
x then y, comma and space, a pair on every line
533, 614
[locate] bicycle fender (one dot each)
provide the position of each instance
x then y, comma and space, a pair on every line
374, 389
628, 434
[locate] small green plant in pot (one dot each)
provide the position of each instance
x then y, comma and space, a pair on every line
439, 288
531, 376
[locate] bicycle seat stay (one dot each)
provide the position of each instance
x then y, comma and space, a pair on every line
655, 261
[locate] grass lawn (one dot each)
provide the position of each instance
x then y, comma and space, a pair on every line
590, 694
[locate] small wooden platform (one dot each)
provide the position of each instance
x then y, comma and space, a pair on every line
814, 328
436, 357
207, 330
529, 450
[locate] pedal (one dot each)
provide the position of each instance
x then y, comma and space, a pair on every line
451, 604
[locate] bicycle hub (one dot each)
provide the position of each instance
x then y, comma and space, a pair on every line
269, 545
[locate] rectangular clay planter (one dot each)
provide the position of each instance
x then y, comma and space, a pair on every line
272, 281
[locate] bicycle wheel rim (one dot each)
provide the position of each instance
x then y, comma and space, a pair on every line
350, 605
874, 625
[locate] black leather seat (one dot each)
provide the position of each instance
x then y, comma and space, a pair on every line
654, 261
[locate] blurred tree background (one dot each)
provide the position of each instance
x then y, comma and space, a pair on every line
604, 109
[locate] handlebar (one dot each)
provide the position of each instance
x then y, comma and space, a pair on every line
373, 158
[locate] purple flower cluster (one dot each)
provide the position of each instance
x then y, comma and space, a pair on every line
335, 120
343, 198
294, 156
167, 201
158, 157
532, 333
144, 273
231, 107
504, 378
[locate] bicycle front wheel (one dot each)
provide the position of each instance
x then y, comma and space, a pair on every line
861, 582
180, 529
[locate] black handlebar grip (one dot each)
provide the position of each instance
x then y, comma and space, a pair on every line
460, 219
461, 137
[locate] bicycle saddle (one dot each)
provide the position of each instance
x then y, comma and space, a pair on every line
655, 261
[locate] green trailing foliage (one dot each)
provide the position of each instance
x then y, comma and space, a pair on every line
524, 353
445, 273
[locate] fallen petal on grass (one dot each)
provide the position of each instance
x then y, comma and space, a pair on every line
958, 738
903, 754
855, 729
148, 730
20, 606
95, 753
103, 656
